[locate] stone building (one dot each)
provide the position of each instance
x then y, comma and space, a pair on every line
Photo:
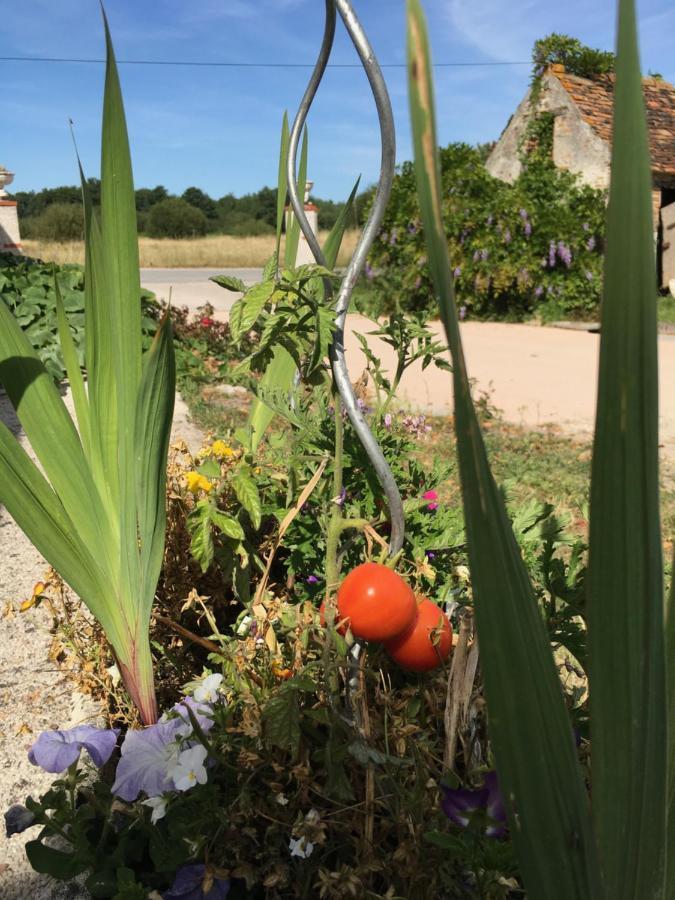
582, 134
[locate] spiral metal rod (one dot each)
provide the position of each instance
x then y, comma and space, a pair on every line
337, 350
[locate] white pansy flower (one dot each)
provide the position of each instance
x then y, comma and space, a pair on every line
301, 847
158, 807
190, 769
207, 690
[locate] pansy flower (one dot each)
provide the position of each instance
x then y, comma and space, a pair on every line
460, 804
55, 751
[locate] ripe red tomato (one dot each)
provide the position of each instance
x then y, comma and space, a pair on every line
341, 629
426, 643
378, 603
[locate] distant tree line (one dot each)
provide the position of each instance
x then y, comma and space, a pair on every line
56, 213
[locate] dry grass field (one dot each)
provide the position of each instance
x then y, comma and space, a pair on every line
214, 251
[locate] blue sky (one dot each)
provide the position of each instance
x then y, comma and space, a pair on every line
218, 128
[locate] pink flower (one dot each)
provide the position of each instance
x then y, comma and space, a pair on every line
432, 496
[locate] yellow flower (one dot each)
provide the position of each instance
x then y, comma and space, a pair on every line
221, 449
197, 483
38, 590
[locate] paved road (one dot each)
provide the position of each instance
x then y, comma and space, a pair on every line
192, 288
536, 376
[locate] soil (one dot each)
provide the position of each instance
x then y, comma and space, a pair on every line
34, 694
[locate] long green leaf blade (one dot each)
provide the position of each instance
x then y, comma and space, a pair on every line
292, 224
73, 371
332, 244
282, 183
529, 728
122, 289
625, 583
154, 413
278, 376
48, 427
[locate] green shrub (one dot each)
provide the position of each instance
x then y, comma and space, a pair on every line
59, 222
531, 247
175, 218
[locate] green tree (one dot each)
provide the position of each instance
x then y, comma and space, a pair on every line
58, 222
201, 200
577, 58
175, 218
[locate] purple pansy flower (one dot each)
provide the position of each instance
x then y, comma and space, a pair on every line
312, 579
149, 753
55, 751
460, 803
189, 885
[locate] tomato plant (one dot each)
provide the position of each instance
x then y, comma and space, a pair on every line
426, 643
377, 601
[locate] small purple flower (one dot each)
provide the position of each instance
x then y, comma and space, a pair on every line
507, 236
363, 407
430, 554
312, 579
552, 254
586, 226
413, 228
527, 228
462, 313
485, 253
459, 804
393, 237
416, 425
418, 282
589, 275
590, 243
523, 214
55, 751
476, 255
340, 501
189, 885
387, 420
490, 219
457, 271
565, 253
539, 291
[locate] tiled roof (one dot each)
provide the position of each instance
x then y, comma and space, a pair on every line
594, 99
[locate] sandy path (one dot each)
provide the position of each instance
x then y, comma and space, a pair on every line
34, 694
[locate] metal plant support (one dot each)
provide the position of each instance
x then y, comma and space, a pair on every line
337, 349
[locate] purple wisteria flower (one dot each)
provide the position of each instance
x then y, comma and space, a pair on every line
459, 804
55, 751
552, 254
523, 214
194, 883
565, 253
538, 291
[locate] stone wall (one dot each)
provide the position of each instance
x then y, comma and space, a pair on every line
10, 239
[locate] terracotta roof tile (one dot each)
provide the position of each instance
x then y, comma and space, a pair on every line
594, 98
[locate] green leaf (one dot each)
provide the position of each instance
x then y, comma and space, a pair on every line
201, 534
229, 282
48, 861
278, 376
529, 728
210, 469
227, 524
625, 582
244, 313
282, 184
247, 493
292, 225
73, 370
154, 413
281, 720
331, 247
